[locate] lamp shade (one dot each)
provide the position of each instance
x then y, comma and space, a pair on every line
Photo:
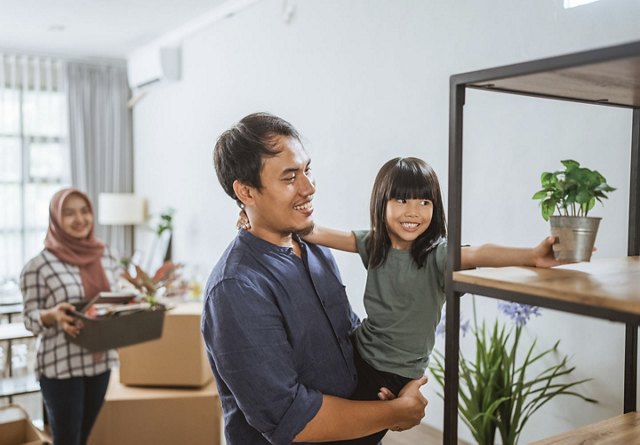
120, 209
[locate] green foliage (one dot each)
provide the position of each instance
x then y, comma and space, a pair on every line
496, 394
166, 221
572, 191
164, 278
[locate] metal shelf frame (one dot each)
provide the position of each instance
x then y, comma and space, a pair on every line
607, 77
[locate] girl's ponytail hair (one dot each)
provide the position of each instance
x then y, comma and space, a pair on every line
405, 178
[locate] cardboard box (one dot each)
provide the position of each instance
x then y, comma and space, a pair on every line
125, 329
16, 428
177, 359
159, 416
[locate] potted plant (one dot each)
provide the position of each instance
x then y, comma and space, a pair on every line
500, 387
572, 193
150, 287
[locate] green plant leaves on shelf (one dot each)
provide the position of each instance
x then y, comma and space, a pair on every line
572, 191
497, 394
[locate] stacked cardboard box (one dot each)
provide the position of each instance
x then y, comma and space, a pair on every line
163, 392
178, 358
160, 416
16, 428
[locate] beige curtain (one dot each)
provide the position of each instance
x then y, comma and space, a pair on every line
100, 139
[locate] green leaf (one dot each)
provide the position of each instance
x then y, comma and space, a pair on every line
497, 391
570, 164
540, 195
573, 191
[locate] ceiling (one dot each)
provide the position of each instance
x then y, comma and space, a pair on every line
92, 28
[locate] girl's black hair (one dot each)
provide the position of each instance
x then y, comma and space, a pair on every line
405, 178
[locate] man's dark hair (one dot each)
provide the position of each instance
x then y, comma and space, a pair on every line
239, 152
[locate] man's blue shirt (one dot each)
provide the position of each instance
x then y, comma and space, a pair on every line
276, 328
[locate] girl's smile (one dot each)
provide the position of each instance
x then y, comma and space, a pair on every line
406, 220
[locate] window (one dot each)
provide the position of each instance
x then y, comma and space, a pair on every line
34, 155
573, 3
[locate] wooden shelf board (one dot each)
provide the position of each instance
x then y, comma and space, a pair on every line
613, 82
14, 386
13, 331
607, 283
11, 309
618, 430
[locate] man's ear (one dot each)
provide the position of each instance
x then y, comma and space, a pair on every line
245, 193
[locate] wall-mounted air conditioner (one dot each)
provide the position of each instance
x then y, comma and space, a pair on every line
151, 65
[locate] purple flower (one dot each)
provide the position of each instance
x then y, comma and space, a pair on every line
519, 313
465, 325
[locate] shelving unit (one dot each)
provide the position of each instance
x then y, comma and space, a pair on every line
607, 289
11, 385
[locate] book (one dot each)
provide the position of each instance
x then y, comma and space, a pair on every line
119, 297
109, 298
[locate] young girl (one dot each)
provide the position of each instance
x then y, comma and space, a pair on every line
405, 254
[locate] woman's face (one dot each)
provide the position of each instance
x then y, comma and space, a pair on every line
77, 219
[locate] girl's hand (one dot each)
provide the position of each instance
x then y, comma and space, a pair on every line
543, 253
243, 221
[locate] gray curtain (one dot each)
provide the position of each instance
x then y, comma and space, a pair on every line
100, 139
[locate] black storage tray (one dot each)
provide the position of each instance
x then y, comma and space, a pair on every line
120, 330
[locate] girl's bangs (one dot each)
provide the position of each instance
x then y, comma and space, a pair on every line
410, 184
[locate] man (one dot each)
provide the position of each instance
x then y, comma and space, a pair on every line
276, 320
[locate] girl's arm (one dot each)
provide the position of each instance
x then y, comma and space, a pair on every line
335, 239
492, 255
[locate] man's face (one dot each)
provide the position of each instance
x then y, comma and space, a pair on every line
284, 204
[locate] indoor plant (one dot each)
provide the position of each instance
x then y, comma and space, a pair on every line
498, 393
572, 193
150, 286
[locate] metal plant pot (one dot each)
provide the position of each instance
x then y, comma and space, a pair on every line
575, 237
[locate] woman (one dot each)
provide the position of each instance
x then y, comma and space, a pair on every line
73, 267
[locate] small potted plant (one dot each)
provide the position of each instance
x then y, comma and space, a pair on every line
150, 286
572, 193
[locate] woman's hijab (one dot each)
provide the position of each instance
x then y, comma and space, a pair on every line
85, 253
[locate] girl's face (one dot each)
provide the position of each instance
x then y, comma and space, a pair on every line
406, 220
77, 219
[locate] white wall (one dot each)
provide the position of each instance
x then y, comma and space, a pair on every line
367, 80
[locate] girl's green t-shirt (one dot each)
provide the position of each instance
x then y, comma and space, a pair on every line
403, 305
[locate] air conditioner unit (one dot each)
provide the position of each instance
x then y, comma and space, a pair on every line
151, 65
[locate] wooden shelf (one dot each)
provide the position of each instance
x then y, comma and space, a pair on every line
607, 76
15, 386
607, 283
606, 289
618, 430
13, 331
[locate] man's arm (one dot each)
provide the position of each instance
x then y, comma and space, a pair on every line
341, 419
243, 328
335, 239
492, 255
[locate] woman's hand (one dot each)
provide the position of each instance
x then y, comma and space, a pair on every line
61, 315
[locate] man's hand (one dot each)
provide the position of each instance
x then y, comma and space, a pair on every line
413, 405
